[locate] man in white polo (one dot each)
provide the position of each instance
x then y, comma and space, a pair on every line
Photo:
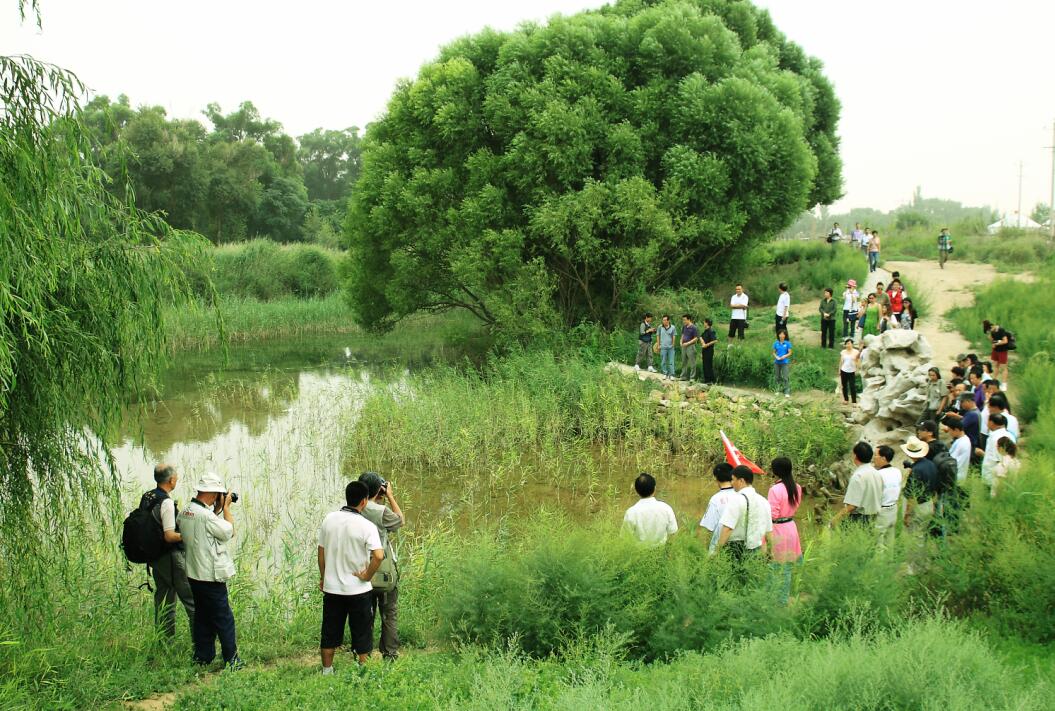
747, 521
864, 492
350, 552
206, 526
738, 305
650, 521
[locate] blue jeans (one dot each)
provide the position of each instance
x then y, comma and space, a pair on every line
666, 360
873, 261
212, 618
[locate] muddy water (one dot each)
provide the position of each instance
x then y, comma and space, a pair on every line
271, 420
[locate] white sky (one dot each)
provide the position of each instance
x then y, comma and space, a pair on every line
946, 94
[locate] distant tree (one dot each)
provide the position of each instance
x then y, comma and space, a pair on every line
572, 167
281, 210
1041, 213
331, 161
909, 219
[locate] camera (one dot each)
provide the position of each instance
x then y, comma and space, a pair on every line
234, 497
384, 487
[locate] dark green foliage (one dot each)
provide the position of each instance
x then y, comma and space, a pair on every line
264, 270
85, 279
584, 163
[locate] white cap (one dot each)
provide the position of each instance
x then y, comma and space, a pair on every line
211, 482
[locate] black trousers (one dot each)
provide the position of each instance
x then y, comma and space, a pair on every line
737, 327
849, 383
827, 332
212, 618
708, 365
779, 324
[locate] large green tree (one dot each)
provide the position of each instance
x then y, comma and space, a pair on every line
85, 279
573, 166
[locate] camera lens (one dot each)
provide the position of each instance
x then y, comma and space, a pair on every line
234, 497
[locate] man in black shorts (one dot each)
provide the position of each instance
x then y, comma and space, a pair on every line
738, 306
350, 552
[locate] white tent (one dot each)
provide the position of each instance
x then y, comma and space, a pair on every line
1021, 221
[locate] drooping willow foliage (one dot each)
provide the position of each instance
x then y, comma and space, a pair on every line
85, 279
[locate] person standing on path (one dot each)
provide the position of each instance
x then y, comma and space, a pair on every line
908, 315
874, 246
896, 294
869, 315
206, 526
782, 362
827, 312
935, 393
857, 237
690, 336
886, 519
738, 305
707, 341
650, 521
784, 498
848, 360
835, 236
667, 333
645, 332
851, 297
723, 474
350, 552
864, 491
783, 309
944, 246
170, 569
383, 511
882, 297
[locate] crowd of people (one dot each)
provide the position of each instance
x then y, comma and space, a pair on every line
868, 241
970, 432
358, 567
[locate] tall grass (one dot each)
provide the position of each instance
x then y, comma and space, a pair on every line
265, 270
543, 409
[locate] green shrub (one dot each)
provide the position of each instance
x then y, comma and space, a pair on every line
311, 272
264, 270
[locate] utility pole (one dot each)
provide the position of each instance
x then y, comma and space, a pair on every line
1018, 219
1051, 202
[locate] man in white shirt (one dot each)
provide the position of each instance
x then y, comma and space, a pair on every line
960, 449
723, 474
209, 567
857, 237
998, 405
350, 552
747, 521
836, 234
738, 305
886, 519
783, 309
991, 455
864, 492
170, 569
851, 299
649, 520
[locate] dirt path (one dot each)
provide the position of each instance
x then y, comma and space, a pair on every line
944, 290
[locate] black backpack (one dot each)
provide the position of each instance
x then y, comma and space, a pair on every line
947, 470
143, 539
1010, 341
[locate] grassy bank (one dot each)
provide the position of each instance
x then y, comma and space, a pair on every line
265, 270
1011, 251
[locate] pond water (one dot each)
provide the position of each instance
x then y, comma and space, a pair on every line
271, 420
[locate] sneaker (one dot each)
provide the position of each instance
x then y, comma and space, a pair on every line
787, 394
651, 369
236, 664
327, 671
636, 367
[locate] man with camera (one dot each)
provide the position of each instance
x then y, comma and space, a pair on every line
206, 526
383, 511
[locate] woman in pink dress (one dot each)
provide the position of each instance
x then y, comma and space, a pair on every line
784, 499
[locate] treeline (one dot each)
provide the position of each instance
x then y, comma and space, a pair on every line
235, 177
919, 213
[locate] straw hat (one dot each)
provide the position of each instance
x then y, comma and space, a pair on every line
915, 448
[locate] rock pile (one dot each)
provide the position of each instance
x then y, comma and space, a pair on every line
894, 370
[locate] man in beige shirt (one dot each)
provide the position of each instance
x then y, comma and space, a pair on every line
864, 492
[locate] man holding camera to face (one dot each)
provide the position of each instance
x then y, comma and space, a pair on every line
383, 511
206, 526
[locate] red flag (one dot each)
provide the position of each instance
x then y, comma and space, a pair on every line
736, 458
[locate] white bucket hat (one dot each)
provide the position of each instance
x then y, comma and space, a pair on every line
915, 448
211, 482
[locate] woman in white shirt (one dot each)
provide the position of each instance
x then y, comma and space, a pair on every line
850, 299
848, 359
1008, 464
